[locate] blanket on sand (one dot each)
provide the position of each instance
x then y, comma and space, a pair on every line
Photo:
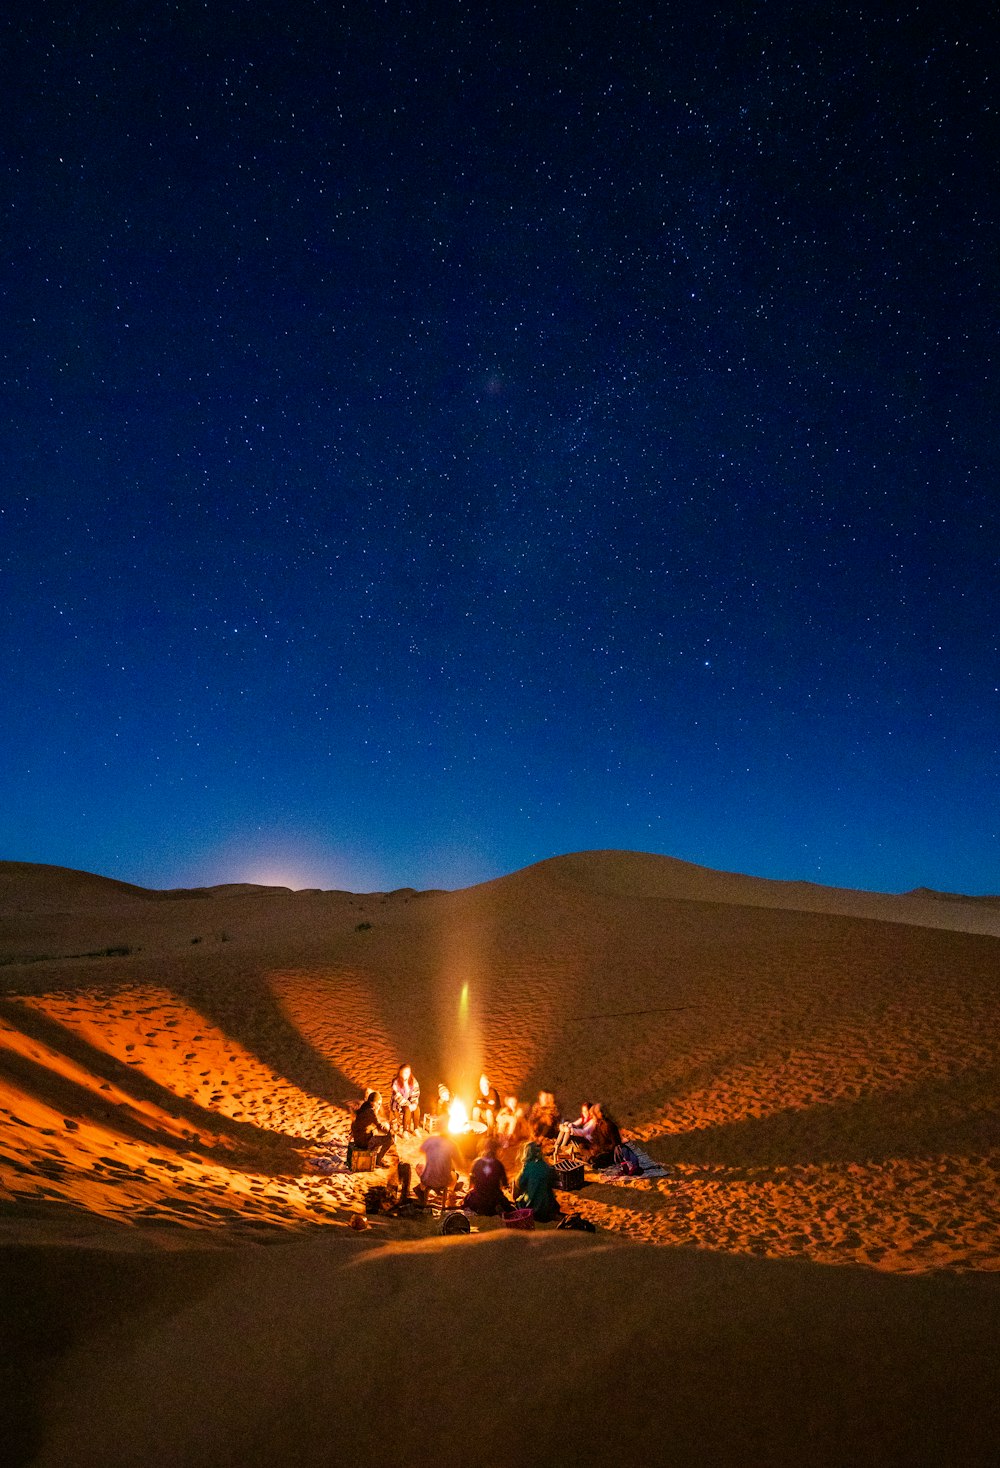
650, 1169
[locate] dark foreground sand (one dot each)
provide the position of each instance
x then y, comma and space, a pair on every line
816, 1280
558, 1350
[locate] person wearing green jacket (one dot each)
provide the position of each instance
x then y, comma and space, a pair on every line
533, 1188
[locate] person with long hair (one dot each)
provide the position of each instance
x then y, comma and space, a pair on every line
534, 1186
404, 1105
579, 1131
604, 1138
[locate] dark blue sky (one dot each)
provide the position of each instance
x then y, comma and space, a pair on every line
435, 438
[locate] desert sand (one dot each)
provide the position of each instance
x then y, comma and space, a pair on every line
815, 1278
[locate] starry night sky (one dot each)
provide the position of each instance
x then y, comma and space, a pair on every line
438, 437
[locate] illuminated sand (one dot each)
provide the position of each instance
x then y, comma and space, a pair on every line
820, 1069
823, 1085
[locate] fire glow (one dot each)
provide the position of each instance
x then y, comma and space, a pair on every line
458, 1117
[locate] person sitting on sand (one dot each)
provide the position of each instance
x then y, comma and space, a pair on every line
440, 1161
443, 1103
487, 1182
579, 1131
604, 1138
512, 1122
533, 1188
367, 1131
544, 1117
486, 1104
405, 1103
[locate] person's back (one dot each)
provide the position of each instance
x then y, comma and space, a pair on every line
487, 1180
534, 1185
441, 1158
604, 1138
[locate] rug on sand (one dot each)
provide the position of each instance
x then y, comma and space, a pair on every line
650, 1169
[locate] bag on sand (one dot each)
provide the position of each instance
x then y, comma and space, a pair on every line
627, 1161
578, 1224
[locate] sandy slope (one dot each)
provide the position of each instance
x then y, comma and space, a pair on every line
555, 1349
822, 1084
820, 1070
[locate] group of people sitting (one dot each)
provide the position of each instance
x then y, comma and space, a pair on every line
498, 1124
490, 1191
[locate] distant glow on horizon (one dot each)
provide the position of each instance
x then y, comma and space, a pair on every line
278, 877
279, 861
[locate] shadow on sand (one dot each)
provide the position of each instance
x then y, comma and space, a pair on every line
957, 1115
271, 1152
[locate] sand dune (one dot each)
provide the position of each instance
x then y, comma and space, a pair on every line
822, 1084
819, 1069
633, 874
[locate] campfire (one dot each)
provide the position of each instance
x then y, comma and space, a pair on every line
460, 1124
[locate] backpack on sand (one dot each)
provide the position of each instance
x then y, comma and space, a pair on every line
578, 1224
627, 1161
